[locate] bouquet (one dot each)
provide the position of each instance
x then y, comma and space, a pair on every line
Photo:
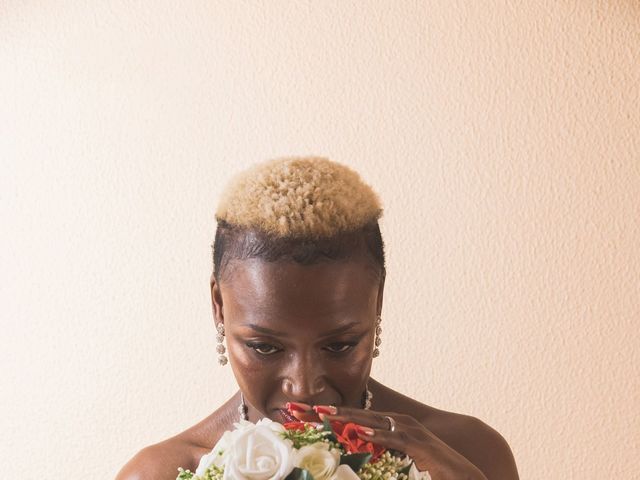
268, 450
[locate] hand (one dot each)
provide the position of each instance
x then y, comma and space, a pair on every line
409, 436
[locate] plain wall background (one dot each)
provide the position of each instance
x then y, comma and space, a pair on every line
502, 137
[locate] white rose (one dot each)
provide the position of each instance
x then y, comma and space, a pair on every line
344, 472
319, 460
219, 452
231, 442
258, 452
217, 455
414, 474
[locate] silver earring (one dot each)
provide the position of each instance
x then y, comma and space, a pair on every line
242, 409
378, 340
368, 397
222, 358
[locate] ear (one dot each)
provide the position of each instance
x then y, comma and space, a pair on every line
216, 301
380, 293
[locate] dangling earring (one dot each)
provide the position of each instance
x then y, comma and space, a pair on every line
242, 409
378, 340
222, 358
368, 397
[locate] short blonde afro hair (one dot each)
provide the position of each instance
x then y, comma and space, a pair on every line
299, 197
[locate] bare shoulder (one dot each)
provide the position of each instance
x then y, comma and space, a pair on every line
478, 442
161, 460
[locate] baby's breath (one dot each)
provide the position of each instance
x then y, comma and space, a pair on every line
387, 467
212, 473
184, 474
309, 436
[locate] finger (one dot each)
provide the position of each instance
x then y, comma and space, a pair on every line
397, 440
309, 416
368, 418
302, 412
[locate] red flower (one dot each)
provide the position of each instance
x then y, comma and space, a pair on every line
347, 435
295, 426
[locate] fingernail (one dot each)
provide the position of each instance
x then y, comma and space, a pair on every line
365, 430
298, 407
326, 409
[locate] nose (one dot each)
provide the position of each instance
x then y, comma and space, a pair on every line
305, 379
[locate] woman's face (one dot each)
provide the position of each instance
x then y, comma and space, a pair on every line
299, 333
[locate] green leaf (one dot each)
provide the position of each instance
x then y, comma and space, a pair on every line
328, 428
355, 460
299, 474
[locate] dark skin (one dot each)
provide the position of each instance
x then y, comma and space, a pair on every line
318, 353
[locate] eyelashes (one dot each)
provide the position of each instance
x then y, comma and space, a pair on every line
260, 347
267, 350
342, 347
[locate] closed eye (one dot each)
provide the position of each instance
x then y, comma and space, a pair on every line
264, 349
341, 347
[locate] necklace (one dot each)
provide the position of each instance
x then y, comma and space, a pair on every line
367, 398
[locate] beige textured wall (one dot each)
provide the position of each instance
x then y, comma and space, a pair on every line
503, 137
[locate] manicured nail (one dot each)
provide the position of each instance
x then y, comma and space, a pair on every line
365, 430
298, 407
326, 409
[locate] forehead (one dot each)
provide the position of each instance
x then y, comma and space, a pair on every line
259, 290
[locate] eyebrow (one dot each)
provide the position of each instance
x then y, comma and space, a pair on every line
275, 333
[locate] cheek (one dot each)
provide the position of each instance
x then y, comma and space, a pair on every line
254, 376
353, 372
348, 376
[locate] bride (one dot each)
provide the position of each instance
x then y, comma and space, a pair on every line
296, 291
